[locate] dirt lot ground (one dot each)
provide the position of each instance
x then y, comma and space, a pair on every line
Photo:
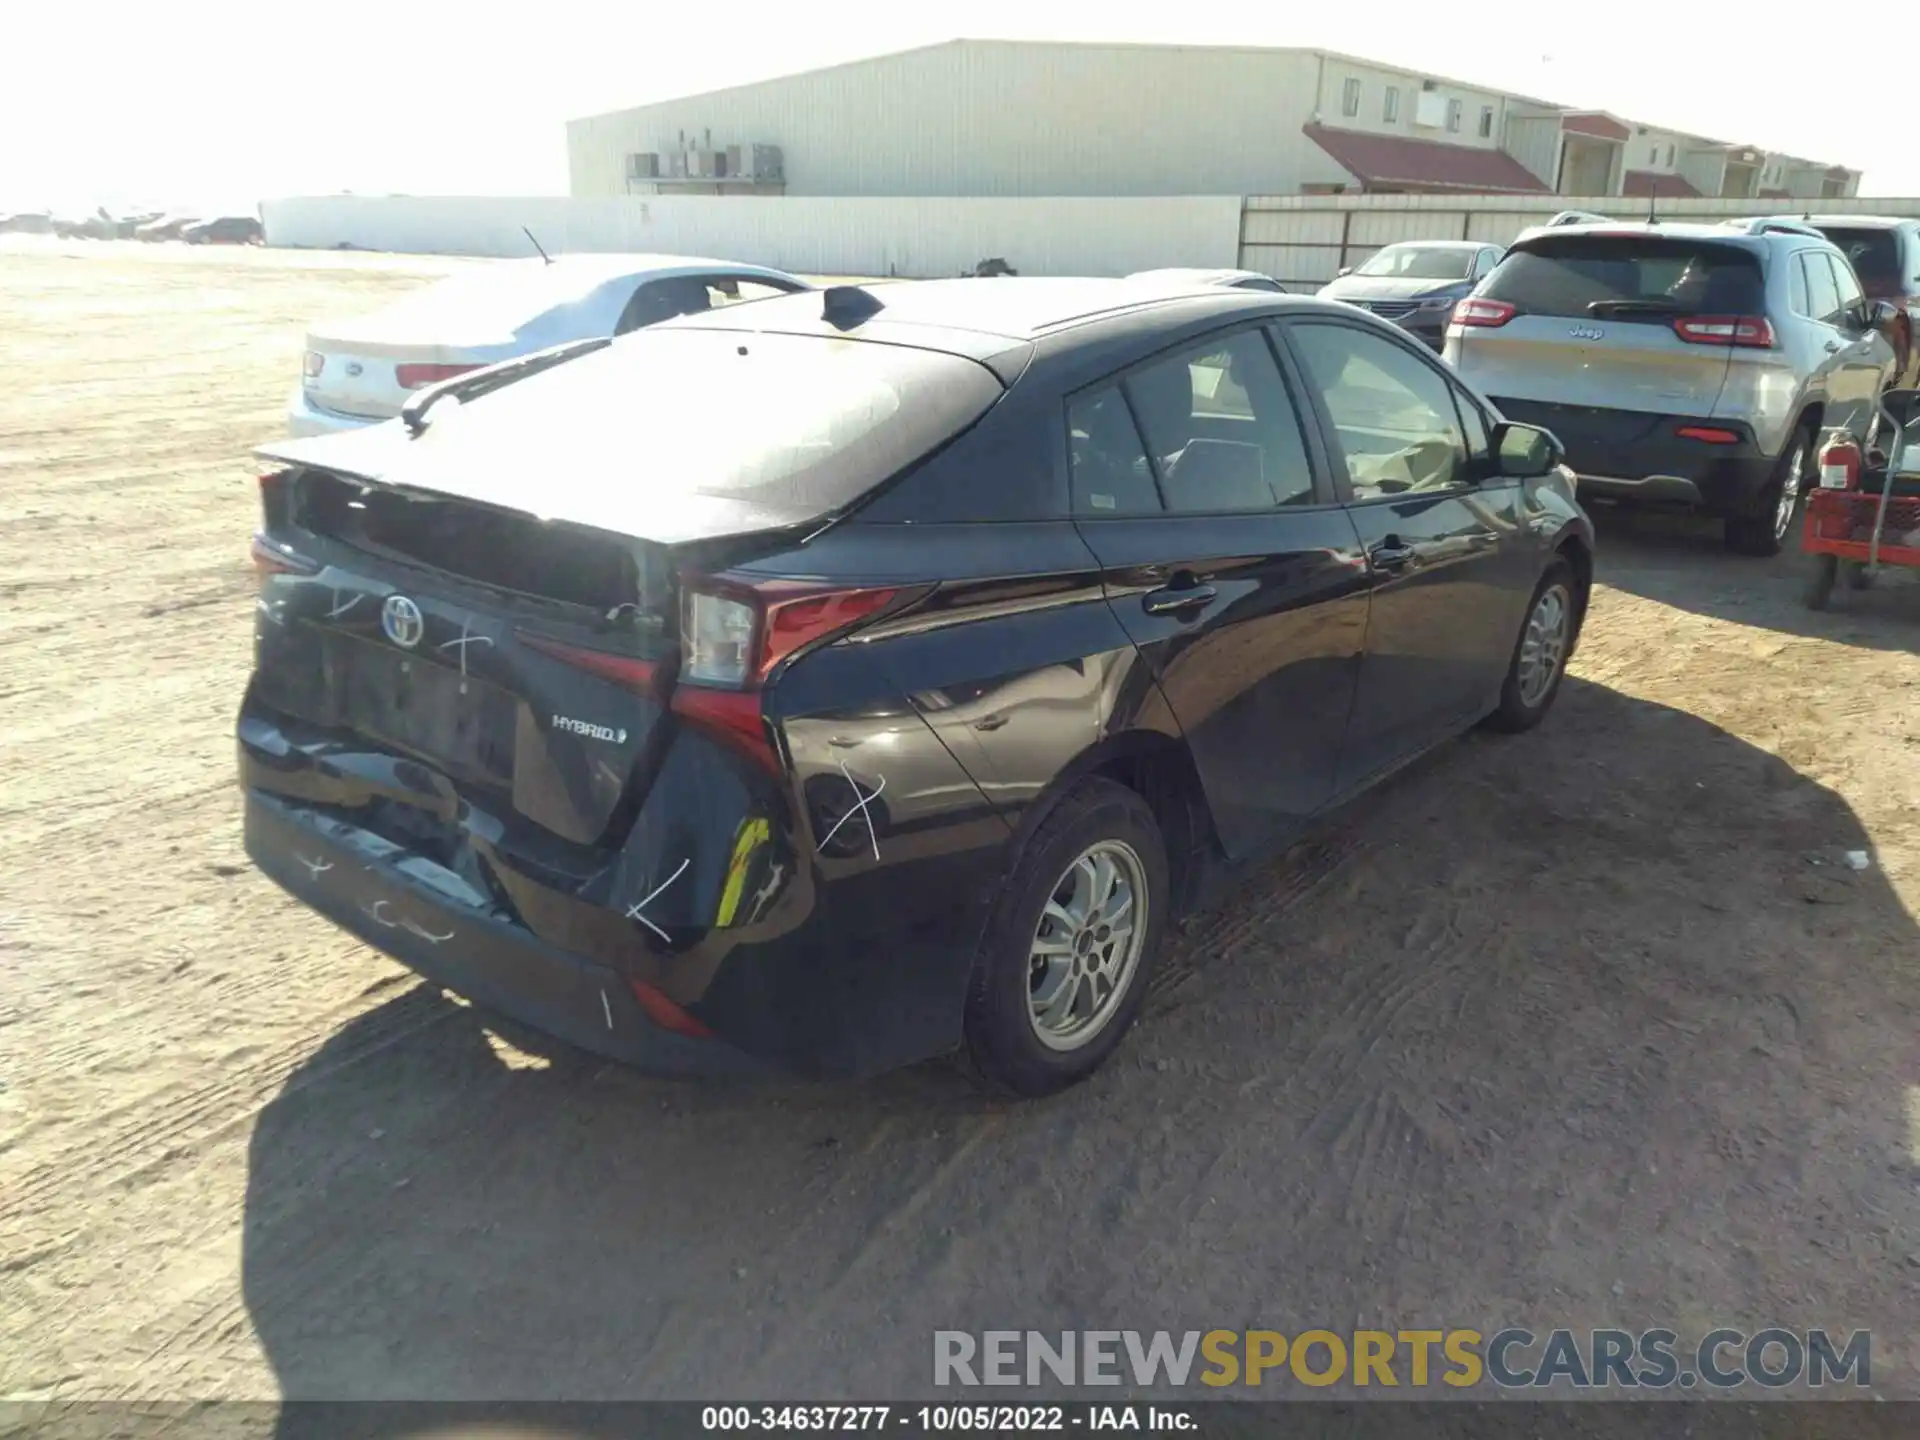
1588, 1027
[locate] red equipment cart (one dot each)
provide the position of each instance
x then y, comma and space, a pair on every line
1866, 511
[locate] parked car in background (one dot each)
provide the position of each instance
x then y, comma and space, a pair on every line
1416, 283
1688, 364
855, 677
225, 230
26, 222
361, 371
1232, 279
1885, 253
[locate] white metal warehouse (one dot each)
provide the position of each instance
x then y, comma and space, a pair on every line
1019, 118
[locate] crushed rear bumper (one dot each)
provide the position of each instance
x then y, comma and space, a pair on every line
432, 922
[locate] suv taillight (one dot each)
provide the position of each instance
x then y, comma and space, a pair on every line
1482, 314
1753, 331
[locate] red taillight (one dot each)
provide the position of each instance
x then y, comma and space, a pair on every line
664, 1013
272, 558
732, 716
627, 670
792, 625
1709, 434
1752, 331
1482, 314
412, 377
733, 634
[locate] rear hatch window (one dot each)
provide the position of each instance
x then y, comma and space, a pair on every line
1628, 278
668, 423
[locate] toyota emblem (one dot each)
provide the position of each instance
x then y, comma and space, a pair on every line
354, 367
402, 621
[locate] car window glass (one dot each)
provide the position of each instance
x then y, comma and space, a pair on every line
732, 290
1823, 296
1797, 281
1221, 428
1473, 427
1394, 414
1849, 285
659, 300
1628, 278
1111, 475
1874, 254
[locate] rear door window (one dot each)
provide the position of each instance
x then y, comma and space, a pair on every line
1221, 428
1211, 429
1628, 278
1111, 473
1823, 295
1848, 284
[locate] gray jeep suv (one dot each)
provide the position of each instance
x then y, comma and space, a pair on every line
1681, 364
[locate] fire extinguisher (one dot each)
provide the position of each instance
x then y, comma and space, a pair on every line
1840, 464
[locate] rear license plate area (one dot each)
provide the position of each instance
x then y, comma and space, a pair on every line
458, 722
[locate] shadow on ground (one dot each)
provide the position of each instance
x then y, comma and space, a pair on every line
1568, 1029
1679, 561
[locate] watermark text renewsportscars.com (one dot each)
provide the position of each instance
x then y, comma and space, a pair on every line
1721, 1360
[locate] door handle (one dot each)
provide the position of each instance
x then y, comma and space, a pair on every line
1833, 347
1391, 556
1173, 600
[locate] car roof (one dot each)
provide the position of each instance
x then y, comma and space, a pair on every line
1860, 222
1675, 229
1011, 322
1179, 274
597, 266
1007, 307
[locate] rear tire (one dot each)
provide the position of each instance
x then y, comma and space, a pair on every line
1541, 653
1762, 529
1064, 965
1820, 577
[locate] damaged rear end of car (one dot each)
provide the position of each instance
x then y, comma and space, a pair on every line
528, 709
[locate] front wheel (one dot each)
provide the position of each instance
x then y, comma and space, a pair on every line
1541, 653
1063, 968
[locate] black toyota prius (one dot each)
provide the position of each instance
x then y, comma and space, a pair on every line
840, 680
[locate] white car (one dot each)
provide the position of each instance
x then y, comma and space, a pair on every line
1232, 279
360, 372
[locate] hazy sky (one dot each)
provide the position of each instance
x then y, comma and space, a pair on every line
213, 102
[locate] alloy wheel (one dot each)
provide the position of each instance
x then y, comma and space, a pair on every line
1543, 648
1087, 945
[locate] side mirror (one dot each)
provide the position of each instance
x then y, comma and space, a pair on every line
1343, 272
1524, 452
1882, 314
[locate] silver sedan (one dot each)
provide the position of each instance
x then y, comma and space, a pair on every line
360, 372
